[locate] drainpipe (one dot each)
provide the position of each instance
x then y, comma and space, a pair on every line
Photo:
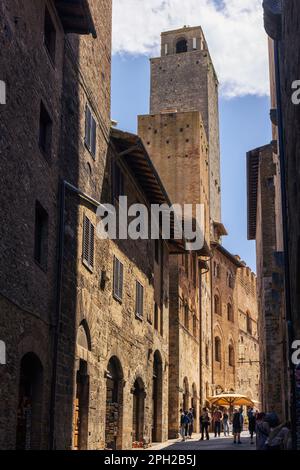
64, 185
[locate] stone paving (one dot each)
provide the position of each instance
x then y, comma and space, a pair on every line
215, 443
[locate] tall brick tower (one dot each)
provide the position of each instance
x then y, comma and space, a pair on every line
184, 79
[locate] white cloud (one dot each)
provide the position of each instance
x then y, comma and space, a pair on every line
233, 29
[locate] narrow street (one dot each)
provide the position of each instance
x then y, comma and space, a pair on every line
219, 443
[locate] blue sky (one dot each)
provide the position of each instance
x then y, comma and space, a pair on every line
244, 124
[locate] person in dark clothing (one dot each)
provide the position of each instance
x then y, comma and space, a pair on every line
191, 423
184, 424
217, 418
237, 426
204, 424
252, 423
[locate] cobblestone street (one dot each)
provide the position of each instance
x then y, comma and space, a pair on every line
219, 443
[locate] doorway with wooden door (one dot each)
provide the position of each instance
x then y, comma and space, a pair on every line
114, 405
138, 411
81, 408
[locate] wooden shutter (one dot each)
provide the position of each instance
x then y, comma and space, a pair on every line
88, 243
139, 303
118, 279
93, 136
88, 117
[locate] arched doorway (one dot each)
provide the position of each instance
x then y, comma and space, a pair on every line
30, 404
186, 394
138, 411
157, 398
82, 392
114, 404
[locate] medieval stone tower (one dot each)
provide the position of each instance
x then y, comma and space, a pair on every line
181, 135
184, 79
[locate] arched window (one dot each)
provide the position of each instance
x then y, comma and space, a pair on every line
231, 355
181, 46
83, 336
230, 312
186, 316
195, 326
217, 305
249, 324
207, 355
218, 352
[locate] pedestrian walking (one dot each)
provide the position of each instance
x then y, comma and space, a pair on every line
251, 423
237, 426
217, 418
204, 424
183, 423
226, 423
191, 423
262, 430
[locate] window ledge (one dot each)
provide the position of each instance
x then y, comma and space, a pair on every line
117, 299
87, 266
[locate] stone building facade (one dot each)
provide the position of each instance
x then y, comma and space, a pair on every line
84, 320
181, 134
262, 227
32, 61
281, 21
235, 326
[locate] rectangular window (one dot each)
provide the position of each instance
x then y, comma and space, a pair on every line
118, 280
139, 300
166, 49
41, 236
194, 43
118, 181
45, 131
49, 35
90, 131
88, 243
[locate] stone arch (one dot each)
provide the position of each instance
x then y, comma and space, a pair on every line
230, 311
30, 403
84, 336
157, 398
181, 45
138, 410
231, 354
217, 303
114, 404
218, 349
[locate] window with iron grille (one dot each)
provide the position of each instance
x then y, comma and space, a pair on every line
118, 280
88, 243
139, 300
90, 131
